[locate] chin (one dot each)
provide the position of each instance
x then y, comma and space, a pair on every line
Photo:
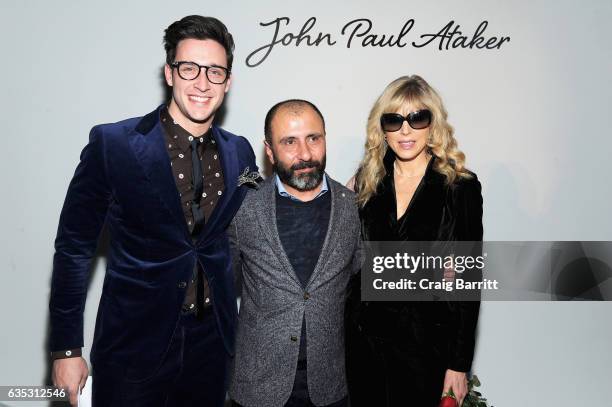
200, 117
408, 155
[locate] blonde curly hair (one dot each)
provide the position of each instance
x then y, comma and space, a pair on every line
441, 143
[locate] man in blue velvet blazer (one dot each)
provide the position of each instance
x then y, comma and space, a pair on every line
166, 318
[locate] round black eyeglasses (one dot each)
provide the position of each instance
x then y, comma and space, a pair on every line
190, 70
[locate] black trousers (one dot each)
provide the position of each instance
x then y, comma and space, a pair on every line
391, 373
192, 374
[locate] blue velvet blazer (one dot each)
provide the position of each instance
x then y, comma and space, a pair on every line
124, 179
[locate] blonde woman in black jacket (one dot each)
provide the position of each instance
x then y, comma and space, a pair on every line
412, 185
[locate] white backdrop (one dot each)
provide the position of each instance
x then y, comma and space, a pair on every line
530, 116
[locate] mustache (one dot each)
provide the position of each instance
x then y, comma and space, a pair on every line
306, 164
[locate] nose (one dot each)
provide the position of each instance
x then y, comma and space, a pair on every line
406, 129
304, 152
201, 82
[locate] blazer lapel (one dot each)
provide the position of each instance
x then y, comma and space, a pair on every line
333, 230
229, 164
149, 147
266, 209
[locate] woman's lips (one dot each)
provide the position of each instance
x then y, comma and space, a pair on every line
407, 145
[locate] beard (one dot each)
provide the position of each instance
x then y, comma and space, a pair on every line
302, 182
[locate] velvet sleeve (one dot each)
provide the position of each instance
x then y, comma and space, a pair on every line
80, 223
468, 227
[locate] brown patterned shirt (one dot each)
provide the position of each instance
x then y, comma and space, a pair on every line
178, 142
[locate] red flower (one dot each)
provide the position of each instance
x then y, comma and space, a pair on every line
448, 401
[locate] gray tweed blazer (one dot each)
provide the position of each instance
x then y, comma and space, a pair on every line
273, 303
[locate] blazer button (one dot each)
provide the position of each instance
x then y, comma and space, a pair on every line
293, 338
182, 284
306, 295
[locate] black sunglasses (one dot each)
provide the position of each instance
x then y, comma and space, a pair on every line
417, 120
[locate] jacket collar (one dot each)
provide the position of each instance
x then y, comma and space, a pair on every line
148, 122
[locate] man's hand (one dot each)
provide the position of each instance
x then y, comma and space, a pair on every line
456, 381
70, 374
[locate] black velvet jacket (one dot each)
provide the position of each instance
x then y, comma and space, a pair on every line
437, 212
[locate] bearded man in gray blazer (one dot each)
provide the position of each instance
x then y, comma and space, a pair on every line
295, 241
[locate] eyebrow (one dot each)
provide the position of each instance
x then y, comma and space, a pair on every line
296, 137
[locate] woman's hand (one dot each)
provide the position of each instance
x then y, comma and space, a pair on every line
456, 381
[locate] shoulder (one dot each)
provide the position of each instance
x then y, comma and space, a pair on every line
240, 142
241, 145
467, 183
338, 188
121, 126
467, 188
111, 135
257, 197
343, 196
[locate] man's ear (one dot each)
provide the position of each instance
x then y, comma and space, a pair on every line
269, 152
168, 74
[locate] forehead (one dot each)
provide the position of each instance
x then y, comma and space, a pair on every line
296, 122
408, 107
203, 52
404, 102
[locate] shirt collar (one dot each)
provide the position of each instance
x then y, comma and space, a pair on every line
283, 191
181, 136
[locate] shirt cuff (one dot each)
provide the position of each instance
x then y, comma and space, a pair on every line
65, 354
